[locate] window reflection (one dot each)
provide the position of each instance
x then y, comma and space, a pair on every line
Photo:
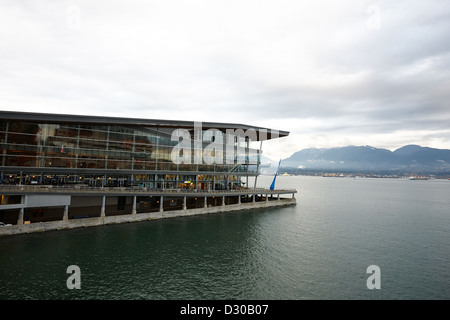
50, 145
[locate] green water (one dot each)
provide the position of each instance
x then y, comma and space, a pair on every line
318, 249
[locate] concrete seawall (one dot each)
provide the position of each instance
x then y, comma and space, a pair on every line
98, 221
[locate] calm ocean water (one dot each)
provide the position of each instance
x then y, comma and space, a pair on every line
318, 249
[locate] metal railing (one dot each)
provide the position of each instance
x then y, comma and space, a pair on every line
90, 189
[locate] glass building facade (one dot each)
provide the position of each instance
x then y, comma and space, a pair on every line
101, 151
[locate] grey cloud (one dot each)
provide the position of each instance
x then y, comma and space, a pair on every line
277, 60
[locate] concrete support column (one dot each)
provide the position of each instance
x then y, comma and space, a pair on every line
254, 198
161, 204
133, 211
206, 202
103, 210
278, 196
293, 195
20, 220
267, 197
239, 199
184, 203
223, 201
66, 213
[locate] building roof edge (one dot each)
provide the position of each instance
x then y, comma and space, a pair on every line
140, 122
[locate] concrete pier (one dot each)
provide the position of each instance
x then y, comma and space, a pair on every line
67, 208
91, 222
134, 205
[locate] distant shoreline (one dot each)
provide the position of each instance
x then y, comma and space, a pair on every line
357, 174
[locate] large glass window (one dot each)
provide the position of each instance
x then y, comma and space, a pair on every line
81, 146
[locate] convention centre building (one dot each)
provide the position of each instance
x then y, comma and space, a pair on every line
62, 171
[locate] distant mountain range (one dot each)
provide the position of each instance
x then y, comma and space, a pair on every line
367, 158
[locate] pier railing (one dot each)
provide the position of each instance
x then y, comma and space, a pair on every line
74, 189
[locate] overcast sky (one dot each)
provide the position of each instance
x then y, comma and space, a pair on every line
333, 73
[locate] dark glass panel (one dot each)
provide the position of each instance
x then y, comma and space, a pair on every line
20, 160
3, 128
22, 133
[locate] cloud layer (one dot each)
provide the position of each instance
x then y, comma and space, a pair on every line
331, 73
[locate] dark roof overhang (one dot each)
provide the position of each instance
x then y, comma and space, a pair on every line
262, 133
